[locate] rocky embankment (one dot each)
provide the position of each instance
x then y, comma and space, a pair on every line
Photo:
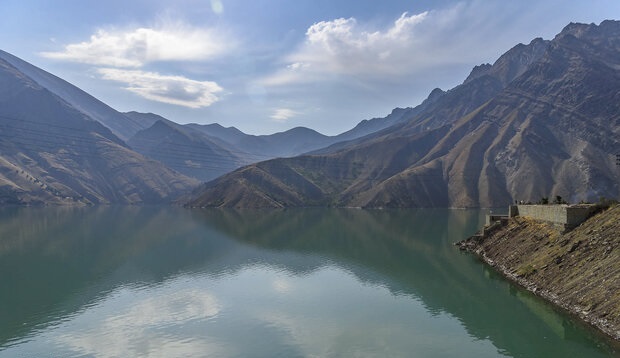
578, 270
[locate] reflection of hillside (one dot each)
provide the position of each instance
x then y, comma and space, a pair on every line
411, 252
56, 261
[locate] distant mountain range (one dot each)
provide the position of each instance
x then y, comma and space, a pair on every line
543, 120
60, 145
208, 151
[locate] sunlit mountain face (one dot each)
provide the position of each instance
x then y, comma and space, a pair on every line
542, 120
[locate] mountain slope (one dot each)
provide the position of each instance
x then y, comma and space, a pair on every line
445, 107
289, 143
120, 125
52, 153
186, 150
542, 120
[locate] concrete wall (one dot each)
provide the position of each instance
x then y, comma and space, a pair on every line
552, 213
569, 216
490, 219
578, 214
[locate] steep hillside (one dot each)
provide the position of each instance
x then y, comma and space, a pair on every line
52, 153
579, 271
554, 129
543, 119
122, 126
186, 150
310, 180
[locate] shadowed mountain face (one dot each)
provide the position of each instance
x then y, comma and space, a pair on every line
260, 147
543, 120
208, 151
121, 125
53, 153
187, 150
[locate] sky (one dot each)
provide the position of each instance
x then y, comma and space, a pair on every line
266, 66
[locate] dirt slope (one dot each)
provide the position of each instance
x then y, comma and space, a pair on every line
578, 270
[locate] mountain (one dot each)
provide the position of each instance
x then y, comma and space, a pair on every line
186, 150
370, 126
289, 143
144, 120
542, 120
53, 153
299, 140
121, 125
228, 134
445, 107
208, 151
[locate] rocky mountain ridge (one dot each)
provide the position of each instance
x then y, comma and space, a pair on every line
542, 119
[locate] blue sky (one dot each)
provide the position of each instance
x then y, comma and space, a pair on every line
265, 66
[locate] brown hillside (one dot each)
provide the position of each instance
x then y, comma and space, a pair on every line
579, 270
542, 120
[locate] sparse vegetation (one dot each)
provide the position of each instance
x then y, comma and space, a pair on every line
559, 200
526, 270
578, 270
545, 201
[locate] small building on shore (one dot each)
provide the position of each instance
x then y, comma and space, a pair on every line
566, 216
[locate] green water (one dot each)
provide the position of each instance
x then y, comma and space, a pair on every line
171, 282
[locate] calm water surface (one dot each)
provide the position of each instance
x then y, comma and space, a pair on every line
170, 282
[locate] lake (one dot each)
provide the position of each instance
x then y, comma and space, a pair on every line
173, 282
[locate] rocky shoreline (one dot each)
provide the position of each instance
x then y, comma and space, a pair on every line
578, 271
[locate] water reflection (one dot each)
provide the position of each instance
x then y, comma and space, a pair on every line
329, 282
411, 253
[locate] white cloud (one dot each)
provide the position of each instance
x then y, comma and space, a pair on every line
467, 32
139, 46
175, 90
343, 36
283, 114
132, 332
344, 47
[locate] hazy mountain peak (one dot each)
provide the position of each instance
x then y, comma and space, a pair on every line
607, 28
511, 64
516, 60
478, 71
300, 131
435, 94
